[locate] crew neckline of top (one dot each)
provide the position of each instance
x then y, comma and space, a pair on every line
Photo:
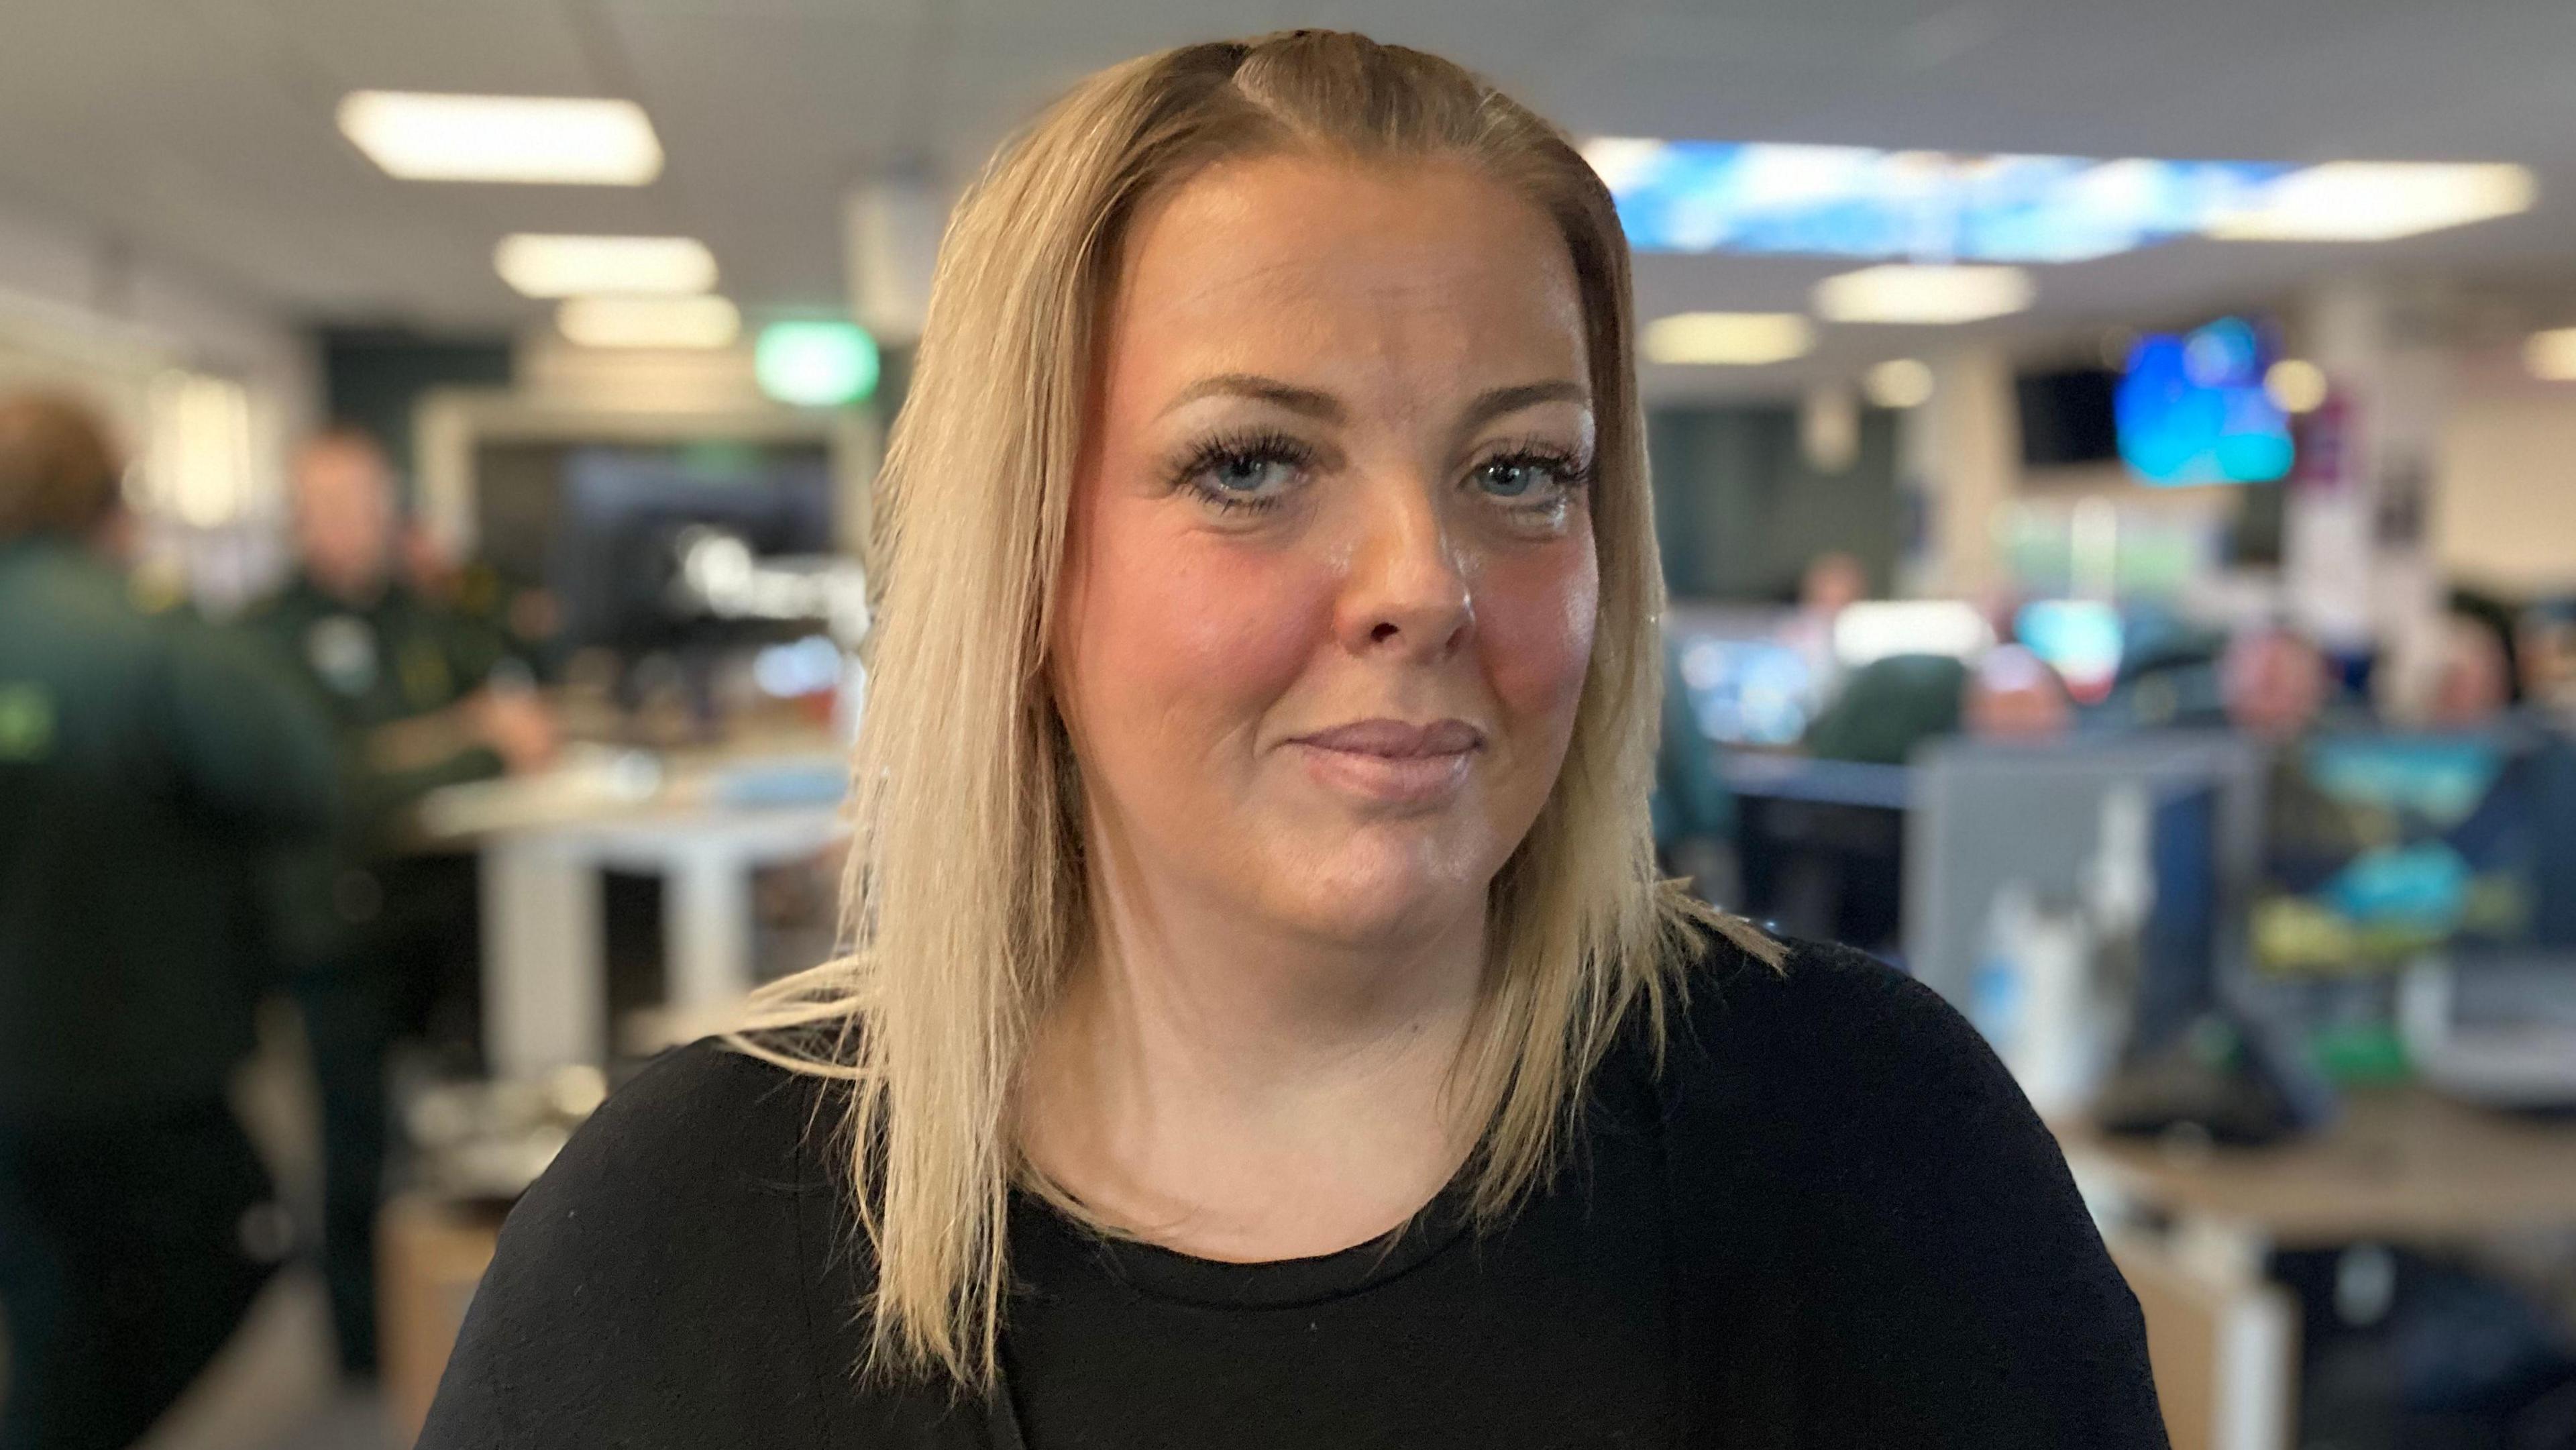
1172, 1275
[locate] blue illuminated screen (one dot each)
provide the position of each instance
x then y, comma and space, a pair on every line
2192, 409
1851, 201
2082, 639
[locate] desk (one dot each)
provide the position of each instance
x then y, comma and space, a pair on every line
2396, 1165
544, 842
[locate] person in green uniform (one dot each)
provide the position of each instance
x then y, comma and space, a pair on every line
372, 931
146, 760
502, 626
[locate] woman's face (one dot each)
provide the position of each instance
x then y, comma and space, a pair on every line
1330, 585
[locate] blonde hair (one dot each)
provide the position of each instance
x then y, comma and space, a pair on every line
967, 896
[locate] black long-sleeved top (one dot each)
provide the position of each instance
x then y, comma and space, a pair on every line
1830, 1221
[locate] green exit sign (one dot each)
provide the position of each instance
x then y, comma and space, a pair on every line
815, 364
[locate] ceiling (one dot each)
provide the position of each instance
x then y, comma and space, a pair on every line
201, 130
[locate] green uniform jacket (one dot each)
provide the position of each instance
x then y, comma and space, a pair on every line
393, 660
148, 764
1889, 707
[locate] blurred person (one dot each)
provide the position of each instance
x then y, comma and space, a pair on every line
146, 761
2275, 683
2473, 684
1268, 1027
1888, 707
2170, 680
2546, 648
499, 627
2013, 694
2478, 677
1831, 583
1892, 707
374, 935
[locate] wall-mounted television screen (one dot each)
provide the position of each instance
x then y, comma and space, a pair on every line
2191, 408
2067, 417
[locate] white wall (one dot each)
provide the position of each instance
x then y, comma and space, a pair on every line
2504, 502
79, 314
75, 305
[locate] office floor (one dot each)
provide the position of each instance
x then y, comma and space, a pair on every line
275, 1386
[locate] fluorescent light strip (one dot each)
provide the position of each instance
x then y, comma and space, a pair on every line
1926, 295
1851, 201
1739, 339
573, 266
420, 136
2372, 201
661, 322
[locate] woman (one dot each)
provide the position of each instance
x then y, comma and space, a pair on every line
1265, 1026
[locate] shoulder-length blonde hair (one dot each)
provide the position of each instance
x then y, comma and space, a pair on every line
967, 898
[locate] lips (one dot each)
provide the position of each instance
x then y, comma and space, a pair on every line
1392, 765
1397, 740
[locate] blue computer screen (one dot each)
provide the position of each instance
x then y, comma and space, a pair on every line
2382, 848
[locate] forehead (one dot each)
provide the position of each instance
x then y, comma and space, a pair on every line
1318, 266
335, 467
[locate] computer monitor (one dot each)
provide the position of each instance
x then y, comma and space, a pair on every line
2382, 850
1748, 691
2180, 942
627, 516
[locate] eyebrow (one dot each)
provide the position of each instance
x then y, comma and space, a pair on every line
1306, 401
1497, 402
1309, 402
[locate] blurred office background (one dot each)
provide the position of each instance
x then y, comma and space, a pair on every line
2116, 466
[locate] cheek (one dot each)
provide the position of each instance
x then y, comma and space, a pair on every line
1183, 631
1536, 613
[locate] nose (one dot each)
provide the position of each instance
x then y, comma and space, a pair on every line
1407, 592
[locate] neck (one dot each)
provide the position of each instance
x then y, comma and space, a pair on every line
1247, 1091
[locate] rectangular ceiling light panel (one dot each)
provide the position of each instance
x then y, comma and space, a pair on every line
420, 136
539, 265
1921, 295
662, 322
1740, 339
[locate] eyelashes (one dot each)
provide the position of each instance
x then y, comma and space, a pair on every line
1538, 462
1258, 470
1228, 471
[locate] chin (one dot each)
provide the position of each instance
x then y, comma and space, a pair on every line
1377, 891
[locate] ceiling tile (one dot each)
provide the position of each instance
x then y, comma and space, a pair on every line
492, 47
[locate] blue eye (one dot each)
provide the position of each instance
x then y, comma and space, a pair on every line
1528, 475
1248, 472
1249, 475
